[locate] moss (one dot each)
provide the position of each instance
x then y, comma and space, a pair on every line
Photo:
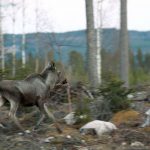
125, 117
147, 104
146, 129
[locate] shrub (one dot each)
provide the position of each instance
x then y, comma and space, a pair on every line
115, 93
82, 112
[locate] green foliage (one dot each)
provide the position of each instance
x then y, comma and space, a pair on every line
140, 58
139, 68
76, 62
82, 111
115, 93
147, 62
3, 74
139, 76
21, 73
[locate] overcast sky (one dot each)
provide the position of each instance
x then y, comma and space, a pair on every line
68, 15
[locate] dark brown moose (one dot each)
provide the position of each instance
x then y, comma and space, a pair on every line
33, 90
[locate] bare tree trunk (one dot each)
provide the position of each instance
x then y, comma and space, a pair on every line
59, 53
23, 35
1, 42
124, 62
99, 39
14, 41
46, 57
37, 39
91, 43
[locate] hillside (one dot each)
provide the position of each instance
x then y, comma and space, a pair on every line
76, 40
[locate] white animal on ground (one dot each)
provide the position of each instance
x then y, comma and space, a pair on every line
147, 120
100, 127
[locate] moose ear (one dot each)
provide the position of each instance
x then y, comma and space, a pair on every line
52, 64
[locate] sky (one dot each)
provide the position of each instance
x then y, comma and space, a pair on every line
69, 15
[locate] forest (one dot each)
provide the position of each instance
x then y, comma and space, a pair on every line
79, 89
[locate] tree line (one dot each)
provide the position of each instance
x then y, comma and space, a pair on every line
98, 61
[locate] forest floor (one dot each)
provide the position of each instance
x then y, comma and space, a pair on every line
128, 136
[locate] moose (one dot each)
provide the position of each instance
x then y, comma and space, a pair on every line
32, 91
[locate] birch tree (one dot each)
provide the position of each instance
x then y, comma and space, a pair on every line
124, 61
1, 41
37, 37
93, 69
14, 39
99, 38
23, 35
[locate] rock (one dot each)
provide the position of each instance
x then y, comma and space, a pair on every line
123, 143
27, 131
20, 133
83, 141
83, 116
2, 126
68, 137
140, 95
148, 112
82, 148
130, 96
99, 109
48, 140
137, 144
59, 114
42, 148
100, 127
70, 118
51, 138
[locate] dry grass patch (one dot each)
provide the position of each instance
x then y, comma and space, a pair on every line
126, 117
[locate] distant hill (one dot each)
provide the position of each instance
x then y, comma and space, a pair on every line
76, 40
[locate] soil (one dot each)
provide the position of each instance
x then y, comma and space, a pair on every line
47, 138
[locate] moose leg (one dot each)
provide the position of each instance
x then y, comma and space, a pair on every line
2, 101
13, 109
39, 121
50, 115
42, 117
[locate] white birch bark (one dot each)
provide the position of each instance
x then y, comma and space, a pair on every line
37, 38
91, 46
2, 42
23, 35
14, 40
